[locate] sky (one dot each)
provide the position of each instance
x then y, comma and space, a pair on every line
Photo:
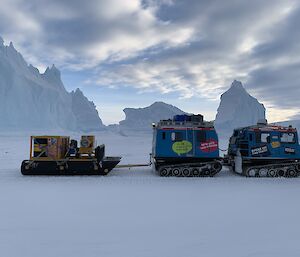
131, 53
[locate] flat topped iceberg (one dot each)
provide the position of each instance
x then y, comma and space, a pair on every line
140, 119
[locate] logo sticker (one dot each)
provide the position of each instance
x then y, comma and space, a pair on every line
289, 150
263, 150
182, 147
211, 145
275, 144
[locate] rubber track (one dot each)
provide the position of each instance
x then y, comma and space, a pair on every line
286, 165
200, 166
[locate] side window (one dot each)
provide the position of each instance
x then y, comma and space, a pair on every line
287, 137
176, 136
164, 135
265, 138
201, 136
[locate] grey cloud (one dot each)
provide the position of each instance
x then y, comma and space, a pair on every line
284, 41
221, 28
218, 41
278, 85
111, 28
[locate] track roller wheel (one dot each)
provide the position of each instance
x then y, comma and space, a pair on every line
297, 167
205, 172
217, 166
263, 172
163, 172
212, 173
281, 173
186, 172
176, 172
251, 172
25, 167
61, 168
291, 172
195, 172
272, 173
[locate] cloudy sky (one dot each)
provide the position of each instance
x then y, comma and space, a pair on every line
130, 53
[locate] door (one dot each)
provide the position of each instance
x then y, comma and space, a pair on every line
275, 144
190, 137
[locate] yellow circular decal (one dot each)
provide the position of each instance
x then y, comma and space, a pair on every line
275, 144
182, 147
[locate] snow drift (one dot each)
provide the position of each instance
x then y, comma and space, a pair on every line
31, 100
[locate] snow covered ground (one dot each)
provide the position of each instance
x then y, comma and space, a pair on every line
135, 213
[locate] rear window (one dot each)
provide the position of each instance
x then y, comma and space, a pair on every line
287, 137
177, 136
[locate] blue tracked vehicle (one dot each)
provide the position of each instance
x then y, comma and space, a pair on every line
185, 146
264, 150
